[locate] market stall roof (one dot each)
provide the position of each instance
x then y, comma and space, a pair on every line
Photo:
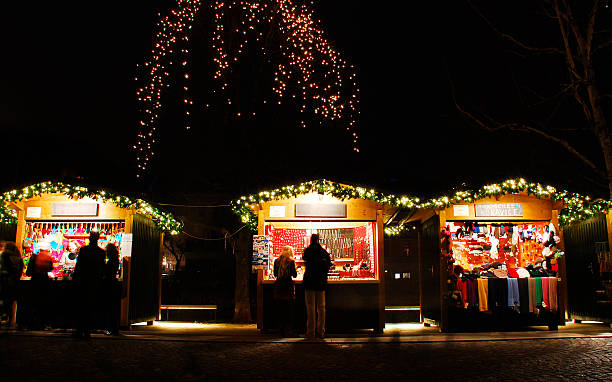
163, 220
400, 210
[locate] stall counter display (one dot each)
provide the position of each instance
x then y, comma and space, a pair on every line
65, 240
477, 244
351, 249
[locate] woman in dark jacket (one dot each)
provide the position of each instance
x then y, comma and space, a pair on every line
111, 290
284, 290
11, 266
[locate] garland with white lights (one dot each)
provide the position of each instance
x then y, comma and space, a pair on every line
163, 220
577, 207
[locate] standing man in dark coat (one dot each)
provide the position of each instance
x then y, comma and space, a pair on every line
317, 262
88, 281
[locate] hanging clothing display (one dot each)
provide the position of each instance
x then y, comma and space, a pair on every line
483, 292
545, 296
552, 292
538, 282
532, 294
513, 293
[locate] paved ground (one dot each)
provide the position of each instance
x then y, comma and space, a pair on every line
225, 352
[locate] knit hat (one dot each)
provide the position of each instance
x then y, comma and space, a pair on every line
513, 273
522, 272
500, 273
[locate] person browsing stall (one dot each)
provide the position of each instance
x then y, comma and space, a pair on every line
87, 278
317, 261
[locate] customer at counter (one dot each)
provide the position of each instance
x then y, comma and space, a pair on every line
318, 262
88, 274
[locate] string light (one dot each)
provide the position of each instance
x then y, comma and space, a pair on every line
171, 41
307, 67
163, 220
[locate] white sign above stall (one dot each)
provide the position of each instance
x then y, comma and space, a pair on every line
277, 211
320, 210
461, 210
499, 210
33, 212
74, 209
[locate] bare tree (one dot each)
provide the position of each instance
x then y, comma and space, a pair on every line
175, 246
584, 31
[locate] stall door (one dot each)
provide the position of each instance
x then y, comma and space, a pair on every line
145, 271
589, 282
402, 279
430, 270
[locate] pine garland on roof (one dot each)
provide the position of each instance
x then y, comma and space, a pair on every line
163, 220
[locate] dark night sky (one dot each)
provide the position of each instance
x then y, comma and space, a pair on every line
68, 107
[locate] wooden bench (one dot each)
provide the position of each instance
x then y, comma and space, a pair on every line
167, 308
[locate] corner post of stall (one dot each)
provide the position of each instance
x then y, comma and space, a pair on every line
21, 223
159, 276
562, 274
443, 279
260, 272
380, 268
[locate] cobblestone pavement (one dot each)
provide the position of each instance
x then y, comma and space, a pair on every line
43, 358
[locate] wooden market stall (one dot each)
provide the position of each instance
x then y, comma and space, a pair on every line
349, 221
500, 236
61, 216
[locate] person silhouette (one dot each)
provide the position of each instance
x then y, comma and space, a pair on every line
284, 290
87, 280
11, 267
317, 261
111, 290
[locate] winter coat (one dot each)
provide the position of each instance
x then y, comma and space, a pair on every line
317, 262
284, 288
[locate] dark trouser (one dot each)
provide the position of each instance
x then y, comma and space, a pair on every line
87, 300
284, 314
315, 313
112, 294
41, 289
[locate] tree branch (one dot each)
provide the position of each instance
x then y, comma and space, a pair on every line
513, 39
569, 58
492, 125
603, 45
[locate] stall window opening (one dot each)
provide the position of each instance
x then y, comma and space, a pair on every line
351, 246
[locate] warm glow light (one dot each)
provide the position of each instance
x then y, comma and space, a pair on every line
308, 68
179, 325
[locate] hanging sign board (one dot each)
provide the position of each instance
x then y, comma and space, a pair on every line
33, 212
277, 211
126, 244
461, 210
499, 210
320, 210
74, 209
261, 249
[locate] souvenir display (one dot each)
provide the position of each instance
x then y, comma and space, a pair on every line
351, 249
65, 240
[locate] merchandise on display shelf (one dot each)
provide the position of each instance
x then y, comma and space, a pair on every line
351, 248
475, 244
65, 239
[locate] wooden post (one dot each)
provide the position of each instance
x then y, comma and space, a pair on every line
159, 276
443, 281
561, 274
260, 299
21, 223
420, 273
380, 235
125, 292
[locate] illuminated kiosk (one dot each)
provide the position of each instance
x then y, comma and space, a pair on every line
62, 216
350, 227
481, 225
